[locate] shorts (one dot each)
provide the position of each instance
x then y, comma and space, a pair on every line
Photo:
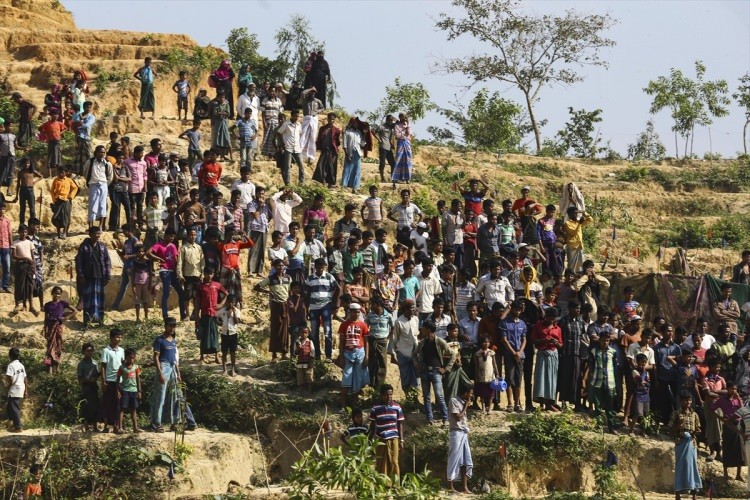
403, 236
640, 409
182, 102
228, 343
129, 401
141, 295
305, 375
191, 286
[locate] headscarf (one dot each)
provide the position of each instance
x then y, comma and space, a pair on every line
527, 281
571, 196
224, 70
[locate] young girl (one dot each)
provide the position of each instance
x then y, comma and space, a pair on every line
297, 311
317, 217
129, 385
54, 316
88, 376
457, 377
142, 276
485, 371
305, 352
685, 425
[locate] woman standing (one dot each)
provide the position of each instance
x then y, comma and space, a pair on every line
547, 338
402, 131
146, 75
271, 108
222, 78
221, 142
54, 316
354, 142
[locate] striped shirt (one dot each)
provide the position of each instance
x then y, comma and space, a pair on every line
386, 418
405, 214
259, 224
380, 324
321, 289
247, 129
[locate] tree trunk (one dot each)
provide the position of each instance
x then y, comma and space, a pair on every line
744, 135
676, 147
692, 138
534, 125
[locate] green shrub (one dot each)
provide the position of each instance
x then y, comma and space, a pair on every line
106, 78
732, 228
547, 439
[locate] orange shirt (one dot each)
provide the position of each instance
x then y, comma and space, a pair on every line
52, 131
230, 253
210, 174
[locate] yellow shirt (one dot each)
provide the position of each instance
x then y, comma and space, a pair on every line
573, 232
63, 189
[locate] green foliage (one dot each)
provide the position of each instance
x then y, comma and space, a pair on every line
353, 470
691, 102
335, 200
690, 233
607, 485
578, 133
742, 96
108, 78
294, 43
410, 98
546, 439
608, 211
566, 495
243, 48
8, 109
647, 146
540, 169
733, 228
650, 424
197, 62
61, 397
528, 51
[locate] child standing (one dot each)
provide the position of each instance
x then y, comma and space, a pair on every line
142, 277
296, 310
305, 351
18, 388
182, 89
184, 181
129, 384
25, 270
642, 384
193, 136
54, 316
684, 426
209, 298
513, 333
485, 371
88, 374
229, 317
356, 428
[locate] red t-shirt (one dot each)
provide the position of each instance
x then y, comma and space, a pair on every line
209, 295
52, 131
542, 331
230, 253
354, 333
210, 174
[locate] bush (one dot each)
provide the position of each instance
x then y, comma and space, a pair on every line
546, 439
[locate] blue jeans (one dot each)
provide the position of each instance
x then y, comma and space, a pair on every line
124, 281
246, 154
5, 261
160, 394
169, 279
315, 316
407, 371
435, 378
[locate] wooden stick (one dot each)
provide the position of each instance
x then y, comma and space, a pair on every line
262, 454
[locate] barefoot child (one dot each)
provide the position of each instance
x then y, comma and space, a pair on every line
485, 371
642, 383
88, 374
684, 425
182, 89
54, 316
142, 276
129, 384
209, 298
305, 351
229, 317
25, 270
18, 388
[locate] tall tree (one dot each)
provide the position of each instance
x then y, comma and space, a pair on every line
647, 146
691, 102
410, 98
529, 52
243, 48
742, 96
295, 42
578, 133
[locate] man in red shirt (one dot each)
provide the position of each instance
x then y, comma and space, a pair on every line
520, 203
355, 352
209, 175
230, 259
547, 338
51, 131
209, 298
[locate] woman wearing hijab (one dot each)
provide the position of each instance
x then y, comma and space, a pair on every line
244, 79
220, 139
223, 77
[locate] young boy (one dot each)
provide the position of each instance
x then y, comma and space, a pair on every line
25, 272
357, 427
154, 220
182, 89
193, 136
6, 236
684, 425
513, 332
209, 298
305, 351
641, 400
88, 375
129, 385
52, 131
184, 180
247, 129
599, 381
372, 210
628, 307
142, 272
229, 317
18, 388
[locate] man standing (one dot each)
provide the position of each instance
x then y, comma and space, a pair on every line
26, 112
247, 129
404, 343
453, 232
406, 215
165, 360
322, 291
112, 357
311, 106
85, 124
726, 309
488, 242
573, 234
260, 215
190, 265
434, 359
320, 75
99, 174
460, 464
328, 142
291, 134
387, 424
248, 100
93, 271
741, 271
355, 349
146, 75
384, 135
137, 186
283, 203
52, 131
599, 381
569, 378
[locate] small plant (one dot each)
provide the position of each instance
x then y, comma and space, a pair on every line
651, 424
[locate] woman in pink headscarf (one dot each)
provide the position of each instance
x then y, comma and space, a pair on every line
223, 77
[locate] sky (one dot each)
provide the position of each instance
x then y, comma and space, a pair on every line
370, 43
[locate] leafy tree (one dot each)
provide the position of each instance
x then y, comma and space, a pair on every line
529, 52
243, 48
648, 146
742, 96
578, 133
295, 42
410, 98
488, 122
691, 102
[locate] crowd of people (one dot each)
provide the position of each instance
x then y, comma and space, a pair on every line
472, 305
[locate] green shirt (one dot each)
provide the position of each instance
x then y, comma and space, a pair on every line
350, 262
128, 377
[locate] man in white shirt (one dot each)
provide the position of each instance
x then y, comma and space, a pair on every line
291, 133
16, 381
282, 204
404, 343
247, 192
495, 288
248, 100
429, 288
99, 174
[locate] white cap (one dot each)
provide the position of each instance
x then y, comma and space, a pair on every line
521, 245
526, 188
354, 307
422, 225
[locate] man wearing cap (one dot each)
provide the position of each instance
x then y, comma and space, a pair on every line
165, 352
26, 112
354, 349
93, 271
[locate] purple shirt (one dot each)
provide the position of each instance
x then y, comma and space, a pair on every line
168, 253
53, 311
